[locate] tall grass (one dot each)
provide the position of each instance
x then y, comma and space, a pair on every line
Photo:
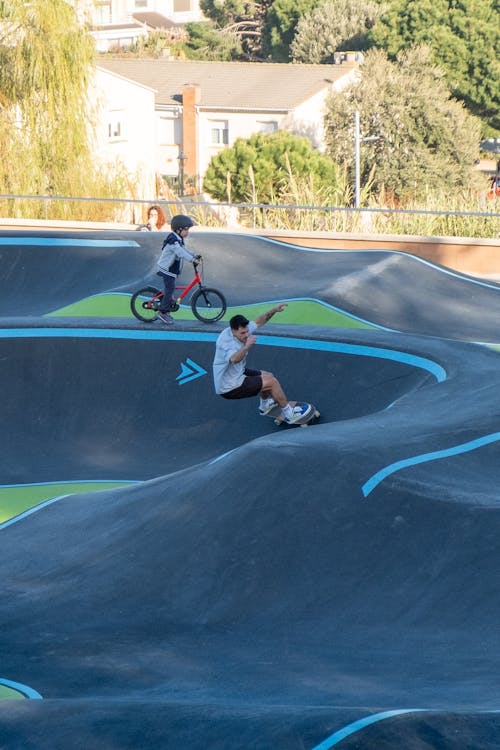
302, 208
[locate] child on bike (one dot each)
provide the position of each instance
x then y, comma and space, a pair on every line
171, 261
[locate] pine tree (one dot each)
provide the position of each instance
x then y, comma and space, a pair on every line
259, 168
465, 41
234, 30
280, 26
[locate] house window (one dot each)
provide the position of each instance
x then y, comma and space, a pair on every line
116, 126
182, 5
141, 3
219, 133
167, 130
103, 14
268, 127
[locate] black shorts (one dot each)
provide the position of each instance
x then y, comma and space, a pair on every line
251, 386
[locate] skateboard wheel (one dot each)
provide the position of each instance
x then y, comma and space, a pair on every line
277, 422
317, 414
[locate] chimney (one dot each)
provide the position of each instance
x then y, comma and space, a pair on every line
191, 96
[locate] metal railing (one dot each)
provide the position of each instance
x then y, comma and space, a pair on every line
292, 217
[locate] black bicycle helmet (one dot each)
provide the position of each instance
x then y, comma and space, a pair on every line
180, 222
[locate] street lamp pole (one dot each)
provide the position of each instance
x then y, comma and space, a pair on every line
357, 141
356, 160
182, 158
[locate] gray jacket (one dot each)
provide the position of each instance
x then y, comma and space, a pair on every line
173, 255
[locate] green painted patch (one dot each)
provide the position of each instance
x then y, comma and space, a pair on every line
303, 312
18, 499
298, 312
98, 306
9, 693
108, 306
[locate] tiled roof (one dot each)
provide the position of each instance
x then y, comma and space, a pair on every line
274, 86
155, 20
130, 26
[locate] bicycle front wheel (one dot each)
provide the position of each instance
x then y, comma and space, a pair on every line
208, 305
145, 304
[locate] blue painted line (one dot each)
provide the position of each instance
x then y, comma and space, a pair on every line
191, 377
361, 351
222, 455
24, 689
439, 269
30, 511
326, 346
105, 333
455, 450
61, 242
357, 726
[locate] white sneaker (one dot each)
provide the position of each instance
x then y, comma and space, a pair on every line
266, 406
297, 413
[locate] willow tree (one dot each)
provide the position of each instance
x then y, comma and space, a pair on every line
46, 66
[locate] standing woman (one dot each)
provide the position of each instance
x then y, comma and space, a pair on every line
156, 220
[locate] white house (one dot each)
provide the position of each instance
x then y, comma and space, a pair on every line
126, 128
121, 22
201, 107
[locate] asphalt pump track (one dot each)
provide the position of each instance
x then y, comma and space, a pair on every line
251, 586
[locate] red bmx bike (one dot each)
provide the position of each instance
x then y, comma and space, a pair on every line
207, 304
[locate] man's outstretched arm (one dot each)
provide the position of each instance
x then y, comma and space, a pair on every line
269, 314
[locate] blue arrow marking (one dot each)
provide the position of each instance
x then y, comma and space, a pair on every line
190, 371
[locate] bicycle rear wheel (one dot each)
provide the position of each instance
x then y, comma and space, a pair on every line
145, 303
208, 305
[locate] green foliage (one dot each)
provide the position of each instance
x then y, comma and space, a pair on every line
209, 43
280, 27
46, 64
226, 12
465, 40
426, 141
262, 168
233, 31
333, 26
155, 44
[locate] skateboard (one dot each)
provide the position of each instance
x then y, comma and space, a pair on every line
310, 415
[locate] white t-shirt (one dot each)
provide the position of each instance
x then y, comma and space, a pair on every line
228, 375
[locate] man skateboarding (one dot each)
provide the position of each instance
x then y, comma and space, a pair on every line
233, 379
